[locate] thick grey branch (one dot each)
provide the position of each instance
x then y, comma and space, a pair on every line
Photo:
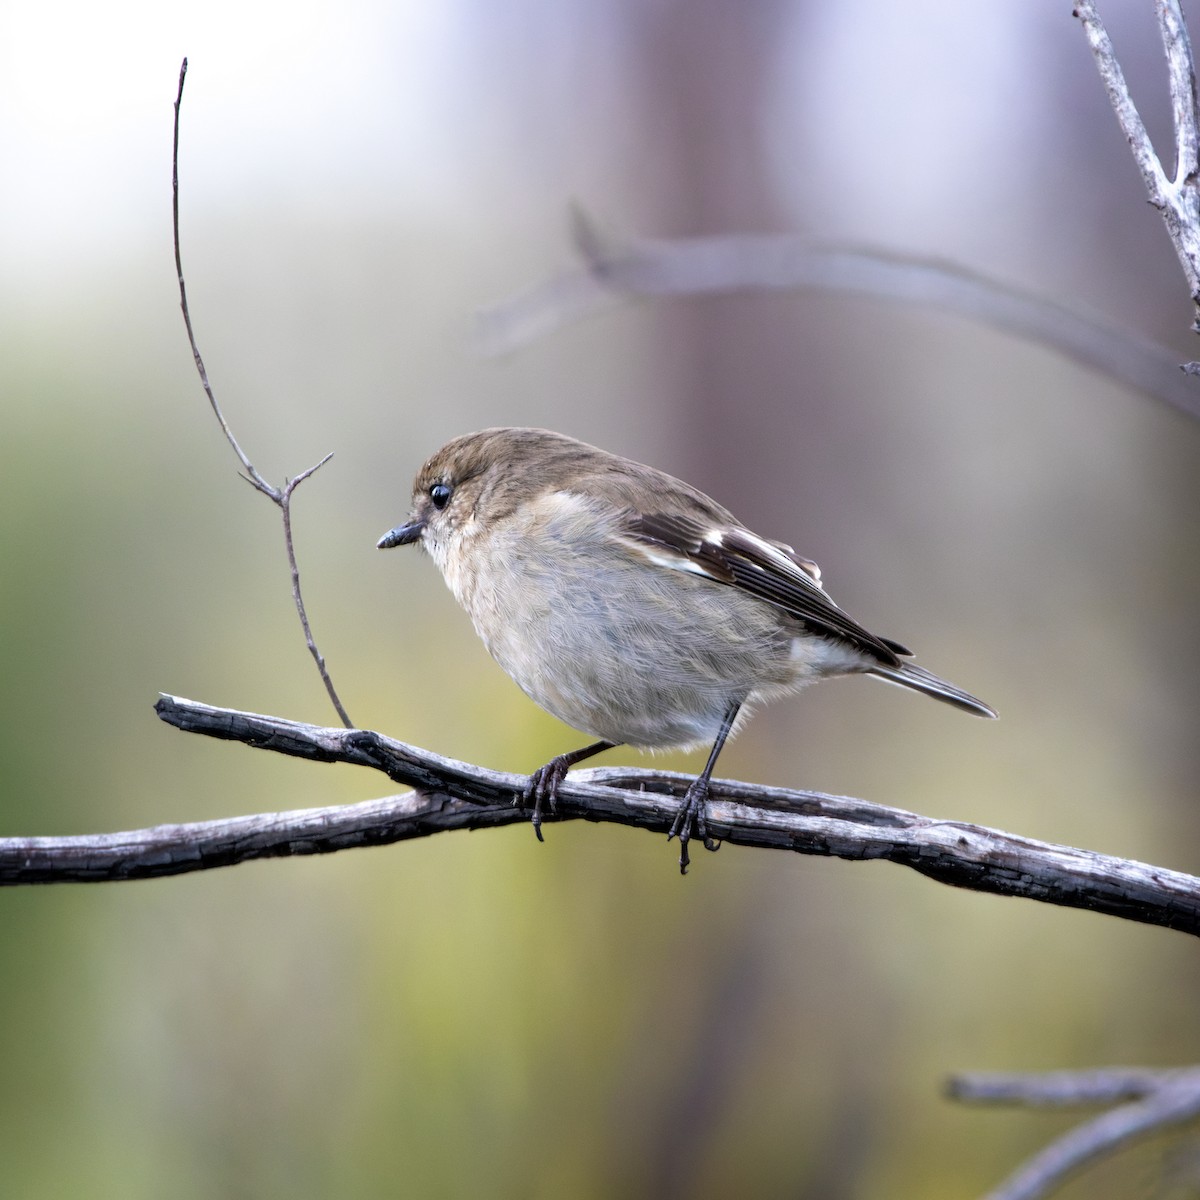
1158, 1101
612, 273
453, 795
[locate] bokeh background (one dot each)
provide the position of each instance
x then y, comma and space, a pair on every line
482, 1015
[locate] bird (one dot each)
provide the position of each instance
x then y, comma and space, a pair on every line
630, 605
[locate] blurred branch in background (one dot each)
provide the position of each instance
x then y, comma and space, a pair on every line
733, 262
453, 795
613, 271
1149, 1101
1152, 1100
1177, 198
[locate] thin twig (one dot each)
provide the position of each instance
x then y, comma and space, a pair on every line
252, 475
298, 595
282, 497
613, 272
1153, 1101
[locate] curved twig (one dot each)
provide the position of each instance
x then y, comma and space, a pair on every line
280, 497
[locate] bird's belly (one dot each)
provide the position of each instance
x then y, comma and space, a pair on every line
650, 663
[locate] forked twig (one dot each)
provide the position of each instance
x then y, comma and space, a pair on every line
281, 497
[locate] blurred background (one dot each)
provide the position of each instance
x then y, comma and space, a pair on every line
483, 1015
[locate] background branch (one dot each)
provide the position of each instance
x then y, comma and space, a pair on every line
1152, 1101
454, 795
612, 272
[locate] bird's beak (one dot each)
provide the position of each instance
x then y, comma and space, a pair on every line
401, 535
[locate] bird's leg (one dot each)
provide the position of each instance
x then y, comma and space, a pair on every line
695, 800
542, 789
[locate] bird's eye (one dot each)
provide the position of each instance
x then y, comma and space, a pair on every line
440, 495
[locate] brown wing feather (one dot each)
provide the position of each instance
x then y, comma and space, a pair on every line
738, 558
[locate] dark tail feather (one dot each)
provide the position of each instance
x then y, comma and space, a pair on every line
909, 675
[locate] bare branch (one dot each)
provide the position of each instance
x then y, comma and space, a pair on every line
1159, 1100
281, 497
1178, 198
1130, 119
285, 506
1181, 70
454, 795
612, 273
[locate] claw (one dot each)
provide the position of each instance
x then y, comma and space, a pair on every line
693, 810
692, 815
681, 829
541, 792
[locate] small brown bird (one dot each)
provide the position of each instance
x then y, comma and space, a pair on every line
629, 604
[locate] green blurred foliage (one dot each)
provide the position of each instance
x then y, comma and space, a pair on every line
482, 1015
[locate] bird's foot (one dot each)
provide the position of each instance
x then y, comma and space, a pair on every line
541, 792
692, 815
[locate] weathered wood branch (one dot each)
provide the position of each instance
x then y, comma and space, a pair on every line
451, 795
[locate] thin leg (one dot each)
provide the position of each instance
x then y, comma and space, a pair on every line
692, 809
542, 789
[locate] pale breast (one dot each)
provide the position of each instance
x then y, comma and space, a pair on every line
612, 644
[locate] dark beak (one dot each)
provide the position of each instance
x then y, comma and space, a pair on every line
401, 535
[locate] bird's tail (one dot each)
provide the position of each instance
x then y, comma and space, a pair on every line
909, 675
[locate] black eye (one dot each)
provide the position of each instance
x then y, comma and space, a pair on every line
440, 495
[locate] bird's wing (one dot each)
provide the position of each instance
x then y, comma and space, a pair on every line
771, 571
